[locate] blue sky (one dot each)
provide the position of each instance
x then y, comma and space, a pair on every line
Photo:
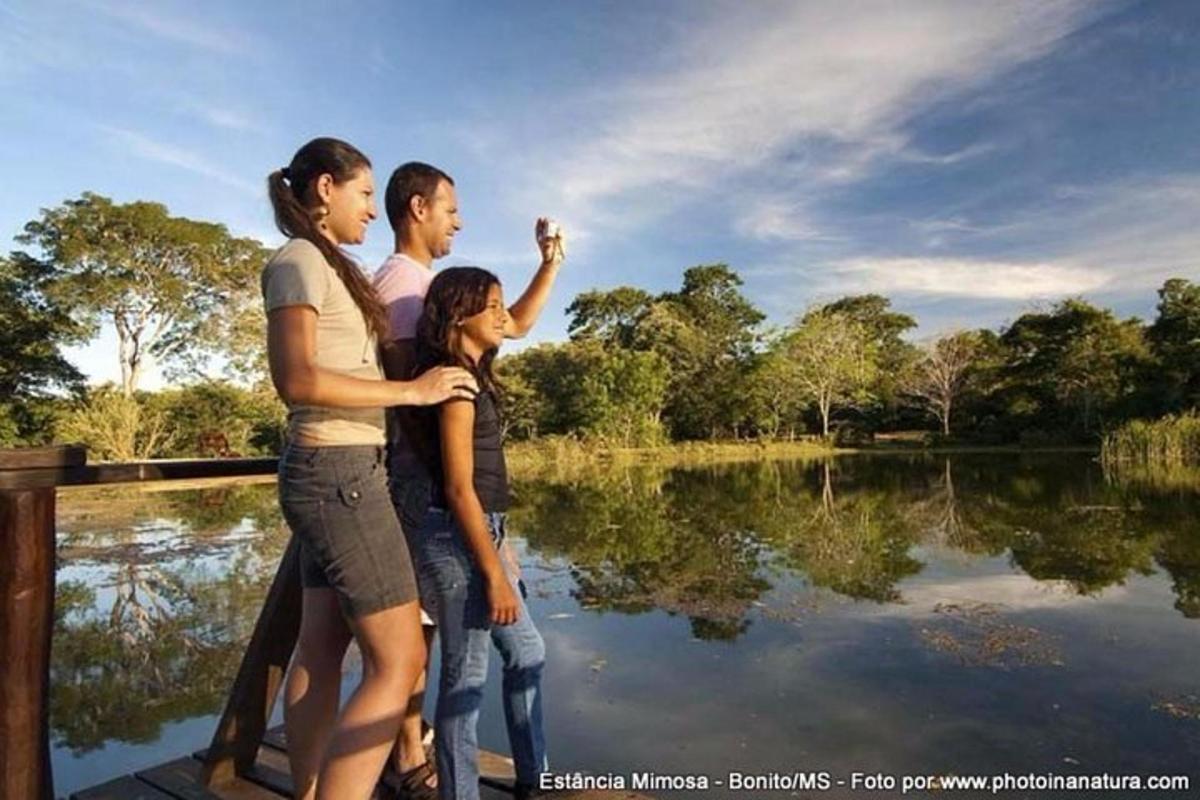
969, 160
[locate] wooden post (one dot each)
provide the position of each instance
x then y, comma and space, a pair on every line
27, 624
247, 712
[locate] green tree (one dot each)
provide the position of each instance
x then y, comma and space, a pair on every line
705, 334
117, 428
1175, 341
33, 329
610, 394
216, 418
833, 361
611, 316
885, 330
776, 400
711, 300
1072, 368
521, 406
165, 283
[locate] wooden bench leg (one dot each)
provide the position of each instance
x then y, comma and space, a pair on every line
252, 699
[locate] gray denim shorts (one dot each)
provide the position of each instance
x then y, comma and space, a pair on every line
335, 500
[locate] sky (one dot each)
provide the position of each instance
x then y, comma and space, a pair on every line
970, 160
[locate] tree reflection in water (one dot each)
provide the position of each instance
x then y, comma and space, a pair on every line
155, 631
705, 542
158, 592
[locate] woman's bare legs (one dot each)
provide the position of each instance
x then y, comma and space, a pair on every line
410, 747
313, 686
393, 653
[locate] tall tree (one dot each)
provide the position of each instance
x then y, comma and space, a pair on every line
938, 378
705, 335
611, 316
33, 330
1072, 367
776, 400
711, 299
611, 394
1175, 341
707, 331
833, 359
885, 328
163, 282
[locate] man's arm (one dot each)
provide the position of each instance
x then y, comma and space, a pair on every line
399, 363
524, 313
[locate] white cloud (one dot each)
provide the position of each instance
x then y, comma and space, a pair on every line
193, 31
1011, 592
223, 117
830, 86
144, 147
968, 152
972, 278
777, 219
1123, 237
1139, 230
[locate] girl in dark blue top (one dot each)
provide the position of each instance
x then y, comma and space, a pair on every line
460, 571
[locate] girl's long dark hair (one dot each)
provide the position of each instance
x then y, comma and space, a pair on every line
292, 198
455, 294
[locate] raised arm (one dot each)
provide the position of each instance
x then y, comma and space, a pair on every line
292, 354
458, 462
524, 313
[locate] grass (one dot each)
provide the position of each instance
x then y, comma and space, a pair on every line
561, 454
1163, 453
1170, 442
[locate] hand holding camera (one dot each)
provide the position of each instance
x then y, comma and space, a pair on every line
551, 241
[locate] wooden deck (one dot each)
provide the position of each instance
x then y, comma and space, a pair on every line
269, 779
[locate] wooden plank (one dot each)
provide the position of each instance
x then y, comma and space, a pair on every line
272, 770
26, 625
124, 788
236, 741
277, 738
137, 472
496, 770
181, 779
63, 455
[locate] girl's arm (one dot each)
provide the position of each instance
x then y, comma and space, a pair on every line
292, 353
458, 463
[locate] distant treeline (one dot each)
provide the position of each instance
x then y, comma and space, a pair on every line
639, 369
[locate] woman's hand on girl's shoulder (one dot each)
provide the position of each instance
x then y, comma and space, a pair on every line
439, 384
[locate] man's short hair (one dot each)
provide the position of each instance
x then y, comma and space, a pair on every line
408, 181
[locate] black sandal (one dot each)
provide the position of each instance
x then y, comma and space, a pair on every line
412, 784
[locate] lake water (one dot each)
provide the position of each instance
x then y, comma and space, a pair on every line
881, 616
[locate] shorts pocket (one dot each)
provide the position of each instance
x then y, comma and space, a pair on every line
354, 481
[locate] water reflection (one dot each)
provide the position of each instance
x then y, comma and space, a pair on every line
158, 592
704, 542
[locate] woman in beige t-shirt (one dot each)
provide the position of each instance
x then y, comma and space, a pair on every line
324, 325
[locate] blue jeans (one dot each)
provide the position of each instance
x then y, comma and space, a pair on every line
446, 568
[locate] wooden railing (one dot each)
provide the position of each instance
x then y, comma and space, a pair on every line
29, 479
